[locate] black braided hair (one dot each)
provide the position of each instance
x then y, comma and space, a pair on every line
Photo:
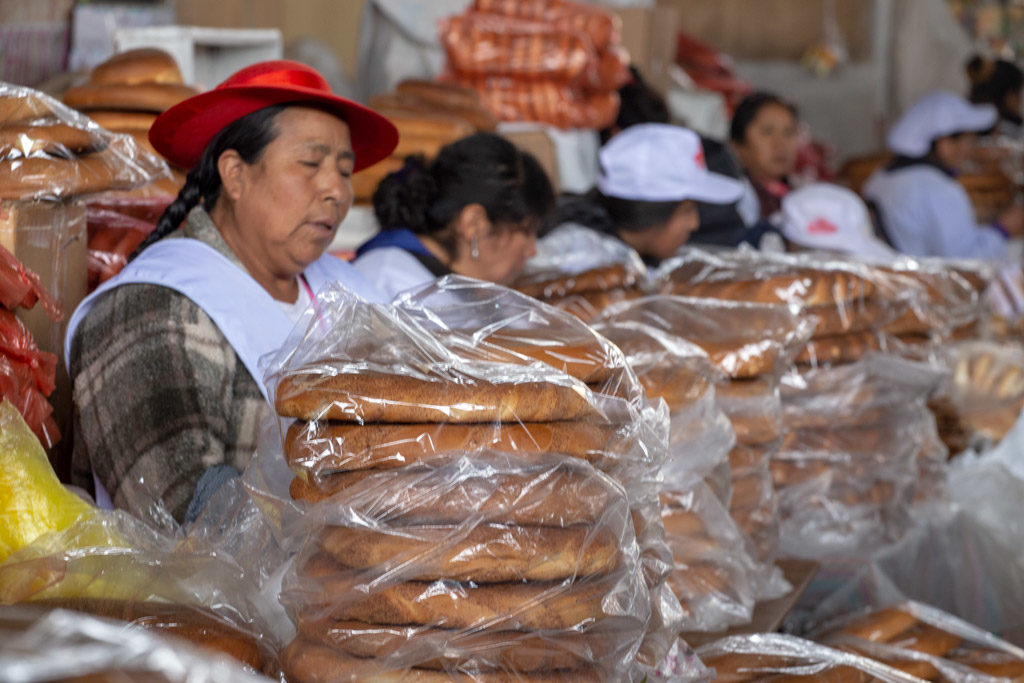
248, 136
482, 168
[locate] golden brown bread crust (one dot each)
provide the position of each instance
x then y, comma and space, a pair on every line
380, 397
679, 521
860, 438
463, 651
801, 287
585, 357
848, 317
743, 667
307, 661
588, 305
843, 348
534, 605
55, 139
743, 458
554, 285
40, 176
435, 126
789, 472
991, 662
475, 114
202, 628
488, 553
880, 626
324, 447
927, 639
561, 497
696, 581
19, 110
145, 65
741, 359
151, 97
123, 121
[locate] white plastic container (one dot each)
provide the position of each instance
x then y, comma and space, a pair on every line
206, 56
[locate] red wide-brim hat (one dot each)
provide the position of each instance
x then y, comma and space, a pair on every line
182, 132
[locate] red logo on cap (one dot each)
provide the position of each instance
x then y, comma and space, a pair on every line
700, 158
821, 226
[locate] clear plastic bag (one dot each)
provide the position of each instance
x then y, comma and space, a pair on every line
44, 646
49, 151
116, 229
985, 387
773, 656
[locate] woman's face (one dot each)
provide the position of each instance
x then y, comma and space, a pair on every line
288, 204
662, 241
502, 254
768, 151
955, 151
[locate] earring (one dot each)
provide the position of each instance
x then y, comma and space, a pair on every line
474, 249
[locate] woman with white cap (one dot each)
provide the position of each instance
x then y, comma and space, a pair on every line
651, 178
922, 208
826, 217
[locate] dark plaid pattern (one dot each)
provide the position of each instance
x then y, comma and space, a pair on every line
160, 394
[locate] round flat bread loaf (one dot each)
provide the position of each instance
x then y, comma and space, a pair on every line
584, 356
307, 661
742, 359
743, 458
855, 316
123, 121
528, 606
39, 177
54, 139
151, 97
551, 497
380, 397
756, 430
790, 472
468, 650
803, 287
991, 662
880, 626
693, 582
144, 65
588, 305
321, 448
550, 286
843, 348
488, 553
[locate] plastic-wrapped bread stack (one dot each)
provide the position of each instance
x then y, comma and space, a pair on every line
985, 389
778, 657
126, 93
926, 642
480, 321
451, 526
854, 419
582, 272
50, 152
714, 576
750, 345
552, 61
428, 115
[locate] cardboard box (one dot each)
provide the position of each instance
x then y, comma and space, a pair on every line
649, 34
539, 144
50, 239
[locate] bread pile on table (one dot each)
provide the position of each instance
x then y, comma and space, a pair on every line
854, 425
552, 61
127, 92
452, 523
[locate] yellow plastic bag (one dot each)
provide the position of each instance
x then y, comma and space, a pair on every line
33, 502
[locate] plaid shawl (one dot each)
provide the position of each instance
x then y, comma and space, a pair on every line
160, 395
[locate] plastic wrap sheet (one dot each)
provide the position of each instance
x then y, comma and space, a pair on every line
116, 229
474, 565
571, 250
49, 151
773, 656
600, 27
926, 642
44, 646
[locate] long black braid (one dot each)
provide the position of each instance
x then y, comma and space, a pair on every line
248, 136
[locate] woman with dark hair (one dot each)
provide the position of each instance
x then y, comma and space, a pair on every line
763, 133
163, 357
998, 82
474, 210
923, 209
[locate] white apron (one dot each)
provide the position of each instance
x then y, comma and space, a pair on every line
252, 321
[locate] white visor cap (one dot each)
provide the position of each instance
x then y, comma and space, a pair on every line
935, 116
831, 218
657, 162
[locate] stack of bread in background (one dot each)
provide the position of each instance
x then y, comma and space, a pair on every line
451, 519
428, 115
127, 92
854, 425
551, 61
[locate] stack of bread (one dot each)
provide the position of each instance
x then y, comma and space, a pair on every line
49, 152
751, 345
127, 92
428, 115
926, 642
582, 272
452, 523
986, 387
834, 492
552, 61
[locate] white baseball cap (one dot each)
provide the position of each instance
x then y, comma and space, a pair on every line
657, 162
832, 218
935, 116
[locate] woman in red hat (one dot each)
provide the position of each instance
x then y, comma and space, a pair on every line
163, 358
